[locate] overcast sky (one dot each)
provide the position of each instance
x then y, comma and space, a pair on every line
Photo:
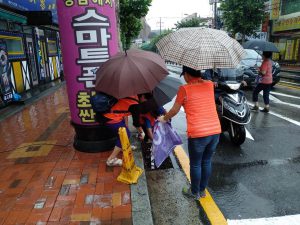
172, 11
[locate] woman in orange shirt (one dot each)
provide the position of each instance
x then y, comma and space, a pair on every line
203, 127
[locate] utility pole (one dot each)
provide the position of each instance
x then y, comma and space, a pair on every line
159, 25
215, 14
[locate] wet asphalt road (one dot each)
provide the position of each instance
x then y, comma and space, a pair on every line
261, 178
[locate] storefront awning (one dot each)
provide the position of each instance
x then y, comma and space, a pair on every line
12, 16
286, 34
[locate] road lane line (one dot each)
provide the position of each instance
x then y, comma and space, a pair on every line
288, 86
209, 206
248, 135
289, 83
280, 116
283, 220
284, 95
278, 101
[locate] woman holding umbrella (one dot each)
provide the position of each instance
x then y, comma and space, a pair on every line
264, 84
199, 48
203, 127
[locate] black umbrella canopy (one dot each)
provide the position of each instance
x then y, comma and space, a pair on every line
260, 45
166, 90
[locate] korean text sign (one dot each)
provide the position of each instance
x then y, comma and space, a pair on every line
88, 33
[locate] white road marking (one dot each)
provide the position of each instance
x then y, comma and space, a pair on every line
248, 135
276, 100
283, 220
284, 95
280, 116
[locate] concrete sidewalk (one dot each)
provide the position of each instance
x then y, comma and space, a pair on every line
44, 180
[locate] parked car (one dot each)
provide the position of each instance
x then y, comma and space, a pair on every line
249, 64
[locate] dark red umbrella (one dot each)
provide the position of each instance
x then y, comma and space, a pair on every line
130, 73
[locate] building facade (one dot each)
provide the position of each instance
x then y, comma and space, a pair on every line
29, 52
285, 29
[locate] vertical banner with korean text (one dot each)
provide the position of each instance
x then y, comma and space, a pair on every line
88, 32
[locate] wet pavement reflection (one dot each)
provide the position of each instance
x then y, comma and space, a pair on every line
44, 180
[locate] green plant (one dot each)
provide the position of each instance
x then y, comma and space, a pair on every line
193, 22
242, 16
152, 45
131, 12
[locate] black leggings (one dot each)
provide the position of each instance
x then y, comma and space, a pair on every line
262, 87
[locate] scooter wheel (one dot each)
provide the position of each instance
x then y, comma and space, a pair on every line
238, 136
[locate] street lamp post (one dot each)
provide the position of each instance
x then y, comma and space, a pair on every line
214, 2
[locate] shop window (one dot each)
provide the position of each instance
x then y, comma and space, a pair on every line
290, 6
15, 27
27, 29
52, 47
3, 25
14, 45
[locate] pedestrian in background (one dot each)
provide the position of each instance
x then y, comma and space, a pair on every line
203, 127
264, 84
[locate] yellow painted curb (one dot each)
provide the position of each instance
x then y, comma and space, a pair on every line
289, 86
213, 213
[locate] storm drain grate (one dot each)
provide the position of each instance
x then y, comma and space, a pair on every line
148, 163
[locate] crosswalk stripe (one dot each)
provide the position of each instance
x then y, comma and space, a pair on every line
283, 220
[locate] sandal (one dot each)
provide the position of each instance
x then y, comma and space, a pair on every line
114, 162
133, 147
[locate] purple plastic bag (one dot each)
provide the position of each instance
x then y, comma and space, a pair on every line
165, 139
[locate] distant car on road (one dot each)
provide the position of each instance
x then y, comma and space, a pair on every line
250, 62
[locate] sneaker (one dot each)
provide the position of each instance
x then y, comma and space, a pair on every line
255, 108
265, 110
114, 162
187, 192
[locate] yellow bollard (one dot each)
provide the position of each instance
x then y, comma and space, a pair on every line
130, 172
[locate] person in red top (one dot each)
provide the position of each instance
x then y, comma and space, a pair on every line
116, 119
264, 82
147, 120
203, 127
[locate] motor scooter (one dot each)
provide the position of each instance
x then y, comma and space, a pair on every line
233, 110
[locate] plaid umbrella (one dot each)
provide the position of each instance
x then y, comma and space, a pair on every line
201, 48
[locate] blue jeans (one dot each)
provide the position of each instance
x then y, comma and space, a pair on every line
200, 152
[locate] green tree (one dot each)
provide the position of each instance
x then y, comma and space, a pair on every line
152, 45
242, 16
131, 12
193, 22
